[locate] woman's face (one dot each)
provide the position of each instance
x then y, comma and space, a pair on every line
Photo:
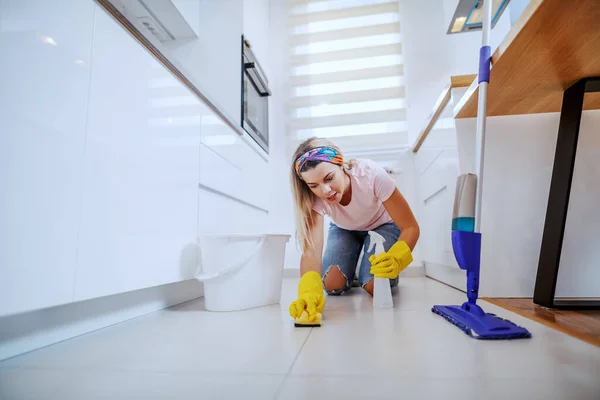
327, 181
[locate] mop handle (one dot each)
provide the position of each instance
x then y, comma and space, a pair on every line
483, 80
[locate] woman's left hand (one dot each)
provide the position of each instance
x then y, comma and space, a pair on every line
392, 262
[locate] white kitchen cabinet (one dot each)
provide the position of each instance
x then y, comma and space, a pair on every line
230, 165
140, 193
45, 52
100, 162
438, 185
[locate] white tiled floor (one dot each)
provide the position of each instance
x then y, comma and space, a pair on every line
408, 352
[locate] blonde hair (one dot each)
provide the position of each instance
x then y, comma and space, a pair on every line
303, 196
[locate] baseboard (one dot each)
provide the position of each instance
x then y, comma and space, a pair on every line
451, 276
29, 331
415, 270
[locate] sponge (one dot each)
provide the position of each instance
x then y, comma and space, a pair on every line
303, 322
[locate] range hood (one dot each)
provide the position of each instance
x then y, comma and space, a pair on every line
160, 18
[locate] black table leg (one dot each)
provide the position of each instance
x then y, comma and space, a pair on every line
558, 200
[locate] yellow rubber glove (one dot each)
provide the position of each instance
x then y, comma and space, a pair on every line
310, 296
392, 262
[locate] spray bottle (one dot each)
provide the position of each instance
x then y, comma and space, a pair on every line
382, 291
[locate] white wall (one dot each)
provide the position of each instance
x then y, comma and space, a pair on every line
212, 61
260, 29
515, 8
425, 64
462, 50
431, 56
518, 167
190, 11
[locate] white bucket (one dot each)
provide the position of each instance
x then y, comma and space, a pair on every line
241, 271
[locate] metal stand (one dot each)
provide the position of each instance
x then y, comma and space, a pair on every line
558, 200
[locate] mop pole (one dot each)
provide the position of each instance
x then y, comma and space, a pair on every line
484, 79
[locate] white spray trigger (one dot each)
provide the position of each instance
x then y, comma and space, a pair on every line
376, 240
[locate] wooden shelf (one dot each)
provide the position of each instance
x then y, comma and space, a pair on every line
440, 104
551, 46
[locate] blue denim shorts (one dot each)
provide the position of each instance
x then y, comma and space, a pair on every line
344, 248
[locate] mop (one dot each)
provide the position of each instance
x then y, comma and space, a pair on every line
466, 225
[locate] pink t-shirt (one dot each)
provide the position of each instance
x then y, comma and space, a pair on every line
371, 186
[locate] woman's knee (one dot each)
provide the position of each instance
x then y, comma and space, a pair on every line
334, 280
368, 287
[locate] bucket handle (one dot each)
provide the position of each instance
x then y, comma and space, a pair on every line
234, 268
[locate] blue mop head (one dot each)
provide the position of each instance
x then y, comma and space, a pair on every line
476, 323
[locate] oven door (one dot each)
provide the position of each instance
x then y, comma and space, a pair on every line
255, 114
255, 98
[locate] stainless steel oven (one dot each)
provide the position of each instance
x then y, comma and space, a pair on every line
255, 98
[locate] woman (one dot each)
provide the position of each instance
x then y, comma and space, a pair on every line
358, 196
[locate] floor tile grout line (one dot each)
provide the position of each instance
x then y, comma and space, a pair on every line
287, 375
88, 369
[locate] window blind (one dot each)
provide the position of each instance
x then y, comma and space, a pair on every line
346, 72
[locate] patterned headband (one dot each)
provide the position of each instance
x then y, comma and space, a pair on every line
326, 154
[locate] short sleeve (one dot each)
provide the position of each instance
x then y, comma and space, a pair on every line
383, 184
319, 207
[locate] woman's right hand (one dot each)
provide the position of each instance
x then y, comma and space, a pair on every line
310, 297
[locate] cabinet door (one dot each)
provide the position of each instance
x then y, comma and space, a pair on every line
231, 165
140, 197
438, 185
224, 215
45, 51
